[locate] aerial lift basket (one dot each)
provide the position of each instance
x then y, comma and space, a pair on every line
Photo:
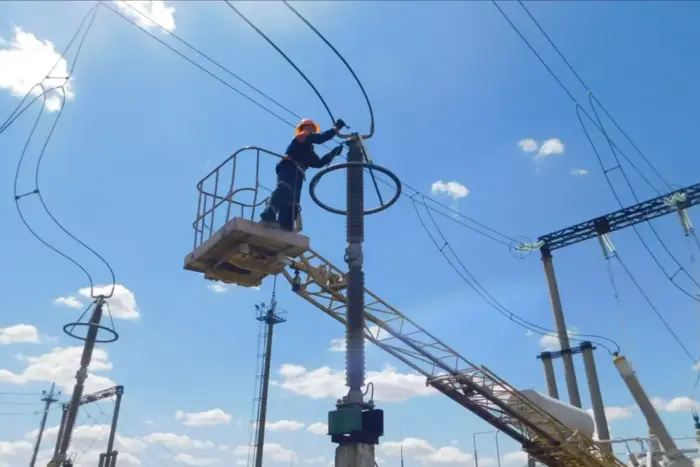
229, 245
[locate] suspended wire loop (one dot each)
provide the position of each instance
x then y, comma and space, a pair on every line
37, 187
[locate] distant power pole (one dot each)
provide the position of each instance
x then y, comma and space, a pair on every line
48, 399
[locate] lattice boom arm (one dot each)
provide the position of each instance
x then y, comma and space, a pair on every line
475, 388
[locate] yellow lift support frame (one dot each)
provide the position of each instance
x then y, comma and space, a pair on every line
240, 251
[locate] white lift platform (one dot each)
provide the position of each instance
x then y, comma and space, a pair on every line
229, 245
243, 252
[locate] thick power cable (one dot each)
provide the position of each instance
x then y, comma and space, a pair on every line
598, 125
486, 296
583, 83
308, 81
37, 189
451, 214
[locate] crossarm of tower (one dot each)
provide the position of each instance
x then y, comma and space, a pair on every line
474, 387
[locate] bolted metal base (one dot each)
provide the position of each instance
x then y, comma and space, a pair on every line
351, 424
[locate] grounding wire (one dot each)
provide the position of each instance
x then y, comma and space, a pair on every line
653, 307
453, 213
37, 191
486, 296
599, 127
634, 227
583, 83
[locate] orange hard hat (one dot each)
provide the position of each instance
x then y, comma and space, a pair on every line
307, 121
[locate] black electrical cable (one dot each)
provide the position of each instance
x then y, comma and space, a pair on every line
16, 112
583, 83
615, 149
653, 307
453, 213
308, 81
566, 89
472, 282
634, 227
37, 190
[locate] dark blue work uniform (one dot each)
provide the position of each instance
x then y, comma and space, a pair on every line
283, 205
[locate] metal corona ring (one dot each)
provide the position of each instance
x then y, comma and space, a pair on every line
364, 165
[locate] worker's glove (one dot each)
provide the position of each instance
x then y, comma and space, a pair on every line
328, 158
340, 124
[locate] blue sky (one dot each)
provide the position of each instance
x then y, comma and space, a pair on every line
454, 91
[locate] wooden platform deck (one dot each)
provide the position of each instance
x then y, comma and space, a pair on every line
243, 252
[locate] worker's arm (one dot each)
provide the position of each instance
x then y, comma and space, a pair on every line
319, 162
320, 138
317, 138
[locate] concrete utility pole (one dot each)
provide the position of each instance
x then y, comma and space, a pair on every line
270, 317
48, 399
601, 421
549, 375
569, 370
356, 425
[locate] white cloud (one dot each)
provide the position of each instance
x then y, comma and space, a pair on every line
528, 145
60, 365
24, 63
177, 441
122, 303
209, 417
70, 302
579, 172
317, 460
188, 459
337, 344
220, 287
284, 425
517, 457
14, 448
424, 452
550, 342
550, 147
19, 334
389, 385
454, 190
86, 435
273, 451
318, 428
154, 9
616, 413
677, 404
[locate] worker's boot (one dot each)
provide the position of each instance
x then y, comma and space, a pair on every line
268, 219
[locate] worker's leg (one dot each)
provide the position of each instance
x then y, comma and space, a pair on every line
289, 213
278, 199
289, 176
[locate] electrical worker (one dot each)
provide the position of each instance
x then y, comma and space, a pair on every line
283, 205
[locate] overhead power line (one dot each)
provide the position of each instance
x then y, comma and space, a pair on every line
613, 147
408, 191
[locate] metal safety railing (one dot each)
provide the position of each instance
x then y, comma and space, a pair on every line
216, 203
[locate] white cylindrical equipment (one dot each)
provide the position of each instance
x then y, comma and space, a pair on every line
571, 417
